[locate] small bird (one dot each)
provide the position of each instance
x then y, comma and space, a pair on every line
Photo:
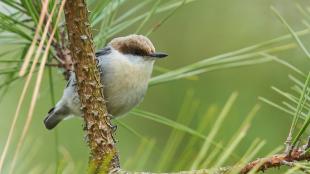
126, 65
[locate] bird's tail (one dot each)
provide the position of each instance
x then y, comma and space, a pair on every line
53, 117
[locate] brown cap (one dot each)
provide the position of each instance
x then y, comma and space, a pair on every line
133, 44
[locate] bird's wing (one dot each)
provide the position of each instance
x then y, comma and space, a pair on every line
69, 81
72, 80
103, 51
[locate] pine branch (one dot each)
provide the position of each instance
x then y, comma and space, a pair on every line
98, 128
263, 164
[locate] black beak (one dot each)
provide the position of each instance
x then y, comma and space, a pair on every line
158, 55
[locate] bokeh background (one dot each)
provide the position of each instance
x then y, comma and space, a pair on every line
196, 31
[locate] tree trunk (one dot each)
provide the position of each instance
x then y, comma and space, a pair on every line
98, 128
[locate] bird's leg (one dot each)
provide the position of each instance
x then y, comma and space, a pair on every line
113, 127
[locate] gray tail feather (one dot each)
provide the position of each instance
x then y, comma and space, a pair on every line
53, 118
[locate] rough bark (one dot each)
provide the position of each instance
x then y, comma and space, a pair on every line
98, 128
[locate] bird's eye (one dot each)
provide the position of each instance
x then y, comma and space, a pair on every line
138, 52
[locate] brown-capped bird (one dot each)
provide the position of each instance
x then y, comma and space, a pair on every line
126, 64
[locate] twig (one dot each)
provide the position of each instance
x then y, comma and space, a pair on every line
277, 161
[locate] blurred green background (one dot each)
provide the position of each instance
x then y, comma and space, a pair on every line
196, 31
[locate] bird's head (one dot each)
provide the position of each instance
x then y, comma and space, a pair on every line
136, 45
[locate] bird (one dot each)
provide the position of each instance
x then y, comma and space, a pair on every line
126, 65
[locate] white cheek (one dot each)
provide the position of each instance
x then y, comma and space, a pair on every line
125, 79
